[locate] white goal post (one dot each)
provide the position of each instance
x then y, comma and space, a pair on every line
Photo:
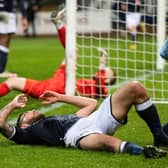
94, 24
71, 7
161, 31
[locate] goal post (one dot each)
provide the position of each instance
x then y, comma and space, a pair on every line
97, 26
70, 46
161, 31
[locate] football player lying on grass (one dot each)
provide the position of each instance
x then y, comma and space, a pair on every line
89, 128
95, 87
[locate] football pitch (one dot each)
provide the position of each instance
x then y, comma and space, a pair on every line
38, 58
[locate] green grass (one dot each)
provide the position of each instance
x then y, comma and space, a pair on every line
38, 58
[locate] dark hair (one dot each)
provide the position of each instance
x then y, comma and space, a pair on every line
22, 115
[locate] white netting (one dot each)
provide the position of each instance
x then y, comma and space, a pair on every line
98, 26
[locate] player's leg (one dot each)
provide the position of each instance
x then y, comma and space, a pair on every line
134, 93
4, 44
109, 143
7, 27
126, 96
133, 34
105, 74
12, 83
114, 144
131, 29
57, 18
132, 22
100, 142
103, 58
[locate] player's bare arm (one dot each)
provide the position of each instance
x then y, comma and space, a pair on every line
86, 105
6, 129
18, 102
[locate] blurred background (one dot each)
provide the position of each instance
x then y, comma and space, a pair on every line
43, 26
39, 17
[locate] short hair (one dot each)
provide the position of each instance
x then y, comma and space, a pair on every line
21, 117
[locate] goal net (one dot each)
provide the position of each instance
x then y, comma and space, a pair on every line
133, 55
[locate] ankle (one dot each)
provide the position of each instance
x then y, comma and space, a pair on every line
131, 148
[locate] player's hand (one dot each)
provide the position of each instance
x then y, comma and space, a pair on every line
19, 101
49, 97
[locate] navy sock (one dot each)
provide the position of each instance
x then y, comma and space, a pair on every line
132, 149
3, 60
148, 112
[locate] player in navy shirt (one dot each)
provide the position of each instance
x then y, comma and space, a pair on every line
45, 131
89, 128
7, 28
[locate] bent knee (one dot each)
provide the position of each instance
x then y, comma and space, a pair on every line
136, 86
138, 90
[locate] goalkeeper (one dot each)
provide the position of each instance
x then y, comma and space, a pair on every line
88, 129
85, 87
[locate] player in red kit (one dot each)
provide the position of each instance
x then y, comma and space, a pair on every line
85, 87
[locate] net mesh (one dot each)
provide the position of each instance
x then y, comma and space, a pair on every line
132, 54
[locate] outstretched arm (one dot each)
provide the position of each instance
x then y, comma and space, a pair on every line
18, 102
86, 105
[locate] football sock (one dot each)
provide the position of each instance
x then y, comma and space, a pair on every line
59, 24
62, 35
4, 89
3, 58
131, 148
147, 111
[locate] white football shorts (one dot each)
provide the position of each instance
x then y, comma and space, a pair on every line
7, 23
101, 121
133, 19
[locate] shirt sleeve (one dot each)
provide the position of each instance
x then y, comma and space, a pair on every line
21, 136
13, 133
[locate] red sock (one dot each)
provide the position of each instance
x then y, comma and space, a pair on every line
4, 89
62, 35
